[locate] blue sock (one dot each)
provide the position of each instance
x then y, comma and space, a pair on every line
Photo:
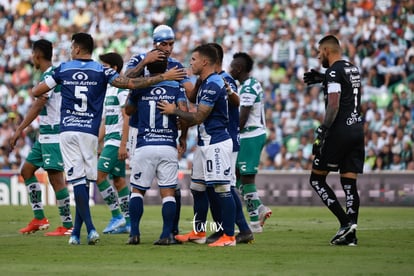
240, 219
228, 212
177, 197
214, 201
168, 214
136, 209
200, 208
81, 191
77, 224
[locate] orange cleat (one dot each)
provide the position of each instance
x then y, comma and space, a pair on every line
196, 237
224, 241
60, 231
35, 225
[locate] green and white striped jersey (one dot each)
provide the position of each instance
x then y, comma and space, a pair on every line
114, 102
252, 95
49, 117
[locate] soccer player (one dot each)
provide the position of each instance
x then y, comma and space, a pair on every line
245, 235
156, 151
212, 158
46, 151
339, 143
252, 138
163, 39
112, 158
83, 85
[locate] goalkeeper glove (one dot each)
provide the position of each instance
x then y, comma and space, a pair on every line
321, 134
313, 77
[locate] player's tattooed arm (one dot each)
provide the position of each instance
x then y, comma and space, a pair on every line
331, 109
136, 71
192, 118
142, 82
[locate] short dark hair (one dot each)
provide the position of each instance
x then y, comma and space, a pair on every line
219, 49
45, 47
331, 39
84, 40
113, 59
248, 61
207, 51
159, 66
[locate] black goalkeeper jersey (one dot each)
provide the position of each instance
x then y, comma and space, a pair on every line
344, 77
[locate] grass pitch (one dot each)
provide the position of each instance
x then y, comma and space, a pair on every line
295, 242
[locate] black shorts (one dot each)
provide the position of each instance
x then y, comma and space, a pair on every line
343, 150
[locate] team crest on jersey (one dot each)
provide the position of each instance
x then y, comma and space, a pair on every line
80, 76
158, 91
137, 176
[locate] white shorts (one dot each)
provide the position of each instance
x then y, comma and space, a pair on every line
80, 155
132, 141
233, 168
154, 161
212, 164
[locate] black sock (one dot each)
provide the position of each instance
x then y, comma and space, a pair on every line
318, 183
351, 197
177, 196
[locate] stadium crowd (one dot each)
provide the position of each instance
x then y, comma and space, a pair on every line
378, 36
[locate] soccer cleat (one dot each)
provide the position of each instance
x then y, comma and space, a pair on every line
60, 231
167, 241
213, 237
348, 240
245, 237
93, 237
163, 241
224, 241
256, 228
74, 240
196, 237
343, 232
35, 225
264, 213
114, 223
126, 229
133, 240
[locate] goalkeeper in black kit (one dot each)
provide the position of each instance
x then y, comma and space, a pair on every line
339, 143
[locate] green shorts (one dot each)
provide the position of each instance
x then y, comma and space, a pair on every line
248, 158
46, 156
109, 163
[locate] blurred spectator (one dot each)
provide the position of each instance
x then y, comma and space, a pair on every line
281, 35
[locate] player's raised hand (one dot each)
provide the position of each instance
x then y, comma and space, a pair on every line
175, 74
14, 138
154, 55
313, 77
166, 107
